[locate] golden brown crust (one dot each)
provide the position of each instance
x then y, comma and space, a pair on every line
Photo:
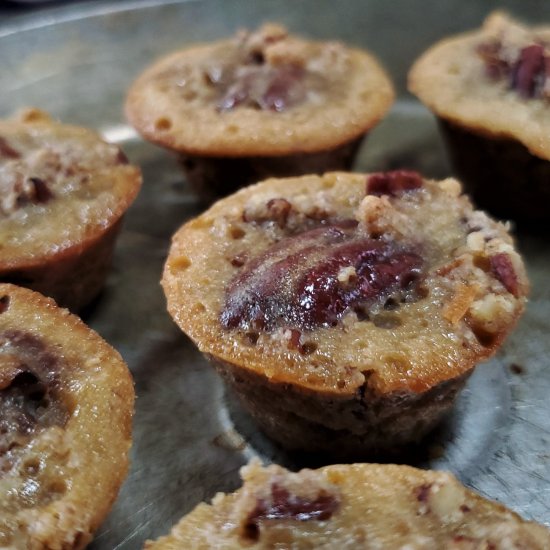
84, 460
88, 185
182, 114
375, 506
450, 78
436, 340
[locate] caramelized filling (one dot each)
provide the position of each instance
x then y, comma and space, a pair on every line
254, 75
261, 87
30, 400
284, 505
312, 279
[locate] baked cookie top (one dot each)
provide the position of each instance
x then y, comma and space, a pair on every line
265, 92
66, 404
61, 186
352, 506
336, 281
494, 81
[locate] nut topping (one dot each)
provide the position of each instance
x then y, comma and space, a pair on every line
529, 72
258, 79
503, 269
393, 183
7, 151
265, 88
298, 282
521, 60
275, 210
284, 505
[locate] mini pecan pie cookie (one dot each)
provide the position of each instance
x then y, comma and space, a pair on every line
63, 192
260, 104
66, 403
347, 310
356, 506
491, 91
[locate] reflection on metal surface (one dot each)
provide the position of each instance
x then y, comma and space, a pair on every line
190, 438
120, 133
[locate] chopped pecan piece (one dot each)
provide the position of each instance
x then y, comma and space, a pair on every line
275, 210
393, 183
283, 505
6, 150
42, 192
238, 260
422, 492
528, 73
503, 269
495, 66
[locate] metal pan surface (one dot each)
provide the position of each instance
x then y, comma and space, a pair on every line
190, 438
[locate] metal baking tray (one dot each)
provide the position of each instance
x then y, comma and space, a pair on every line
190, 437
